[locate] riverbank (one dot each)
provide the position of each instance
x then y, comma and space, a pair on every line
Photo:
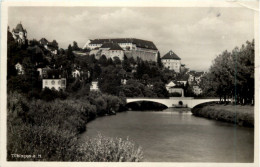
236, 114
51, 129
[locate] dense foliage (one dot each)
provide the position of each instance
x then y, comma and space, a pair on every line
242, 115
50, 130
232, 75
106, 149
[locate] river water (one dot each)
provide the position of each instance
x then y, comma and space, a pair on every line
172, 136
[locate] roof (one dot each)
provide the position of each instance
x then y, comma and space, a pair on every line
171, 55
171, 84
44, 41
19, 28
139, 42
111, 46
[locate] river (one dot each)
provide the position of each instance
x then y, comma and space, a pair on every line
172, 136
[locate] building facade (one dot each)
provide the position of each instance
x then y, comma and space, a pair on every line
94, 86
171, 61
111, 50
131, 47
54, 83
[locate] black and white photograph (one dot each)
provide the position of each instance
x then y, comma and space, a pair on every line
125, 83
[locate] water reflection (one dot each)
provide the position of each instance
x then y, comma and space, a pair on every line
176, 136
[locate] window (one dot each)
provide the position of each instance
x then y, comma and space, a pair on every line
52, 82
46, 82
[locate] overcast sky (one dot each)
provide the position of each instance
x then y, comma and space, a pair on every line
196, 35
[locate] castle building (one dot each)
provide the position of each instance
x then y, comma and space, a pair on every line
19, 34
171, 61
131, 47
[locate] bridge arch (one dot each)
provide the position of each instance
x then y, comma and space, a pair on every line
164, 102
152, 101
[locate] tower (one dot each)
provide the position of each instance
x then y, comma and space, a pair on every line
19, 34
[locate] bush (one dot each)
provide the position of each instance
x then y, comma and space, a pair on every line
241, 115
106, 149
51, 129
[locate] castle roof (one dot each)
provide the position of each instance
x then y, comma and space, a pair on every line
111, 46
139, 42
19, 28
171, 55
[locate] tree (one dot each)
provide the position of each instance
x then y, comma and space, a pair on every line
159, 61
232, 75
160, 90
117, 61
126, 65
75, 46
70, 55
55, 44
103, 61
96, 71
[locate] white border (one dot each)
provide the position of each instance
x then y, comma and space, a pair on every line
117, 3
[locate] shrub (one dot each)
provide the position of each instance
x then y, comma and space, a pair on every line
51, 128
106, 149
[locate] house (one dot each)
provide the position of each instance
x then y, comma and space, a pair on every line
123, 81
198, 76
76, 73
197, 90
19, 34
44, 41
19, 69
51, 46
195, 77
43, 72
56, 83
171, 87
171, 61
131, 47
94, 86
184, 83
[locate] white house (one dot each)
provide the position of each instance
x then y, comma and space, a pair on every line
76, 73
19, 69
170, 85
54, 83
94, 86
171, 88
171, 61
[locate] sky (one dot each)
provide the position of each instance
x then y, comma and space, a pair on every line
197, 35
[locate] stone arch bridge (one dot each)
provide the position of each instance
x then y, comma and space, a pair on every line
174, 101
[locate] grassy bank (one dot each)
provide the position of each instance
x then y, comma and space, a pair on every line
48, 131
236, 114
